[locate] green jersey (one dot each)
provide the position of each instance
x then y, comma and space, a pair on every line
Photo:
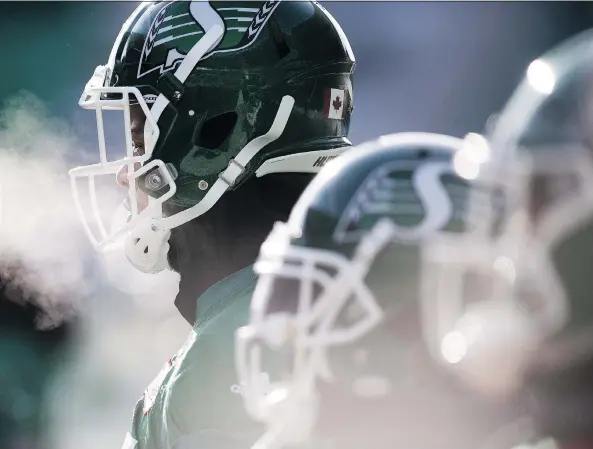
195, 401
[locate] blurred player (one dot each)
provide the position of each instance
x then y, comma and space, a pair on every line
214, 95
514, 299
334, 353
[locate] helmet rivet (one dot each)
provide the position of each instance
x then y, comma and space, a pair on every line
153, 181
191, 112
202, 185
177, 95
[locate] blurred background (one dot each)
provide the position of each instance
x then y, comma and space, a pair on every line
421, 66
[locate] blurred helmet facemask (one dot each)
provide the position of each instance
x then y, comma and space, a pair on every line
325, 283
325, 303
492, 296
145, 233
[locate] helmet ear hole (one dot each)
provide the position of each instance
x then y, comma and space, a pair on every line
216, 129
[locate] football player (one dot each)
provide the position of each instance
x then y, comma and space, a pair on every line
334, 353
513, 300
228, 109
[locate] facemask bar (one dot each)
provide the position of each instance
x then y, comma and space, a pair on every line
312, 329
279, 329
91, 98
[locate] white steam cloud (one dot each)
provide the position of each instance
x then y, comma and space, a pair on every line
43, 248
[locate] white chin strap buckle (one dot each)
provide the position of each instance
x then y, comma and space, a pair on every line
146, 247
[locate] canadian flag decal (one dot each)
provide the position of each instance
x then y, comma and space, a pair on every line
334, 103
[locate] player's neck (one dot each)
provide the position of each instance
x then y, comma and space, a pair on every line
221, 242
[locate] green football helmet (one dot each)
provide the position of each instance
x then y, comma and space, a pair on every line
336, 314
226, 91
511, 300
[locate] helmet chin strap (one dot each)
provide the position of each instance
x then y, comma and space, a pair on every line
147, 245
147, 249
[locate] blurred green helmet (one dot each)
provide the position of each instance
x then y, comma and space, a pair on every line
513, 298
334, 340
